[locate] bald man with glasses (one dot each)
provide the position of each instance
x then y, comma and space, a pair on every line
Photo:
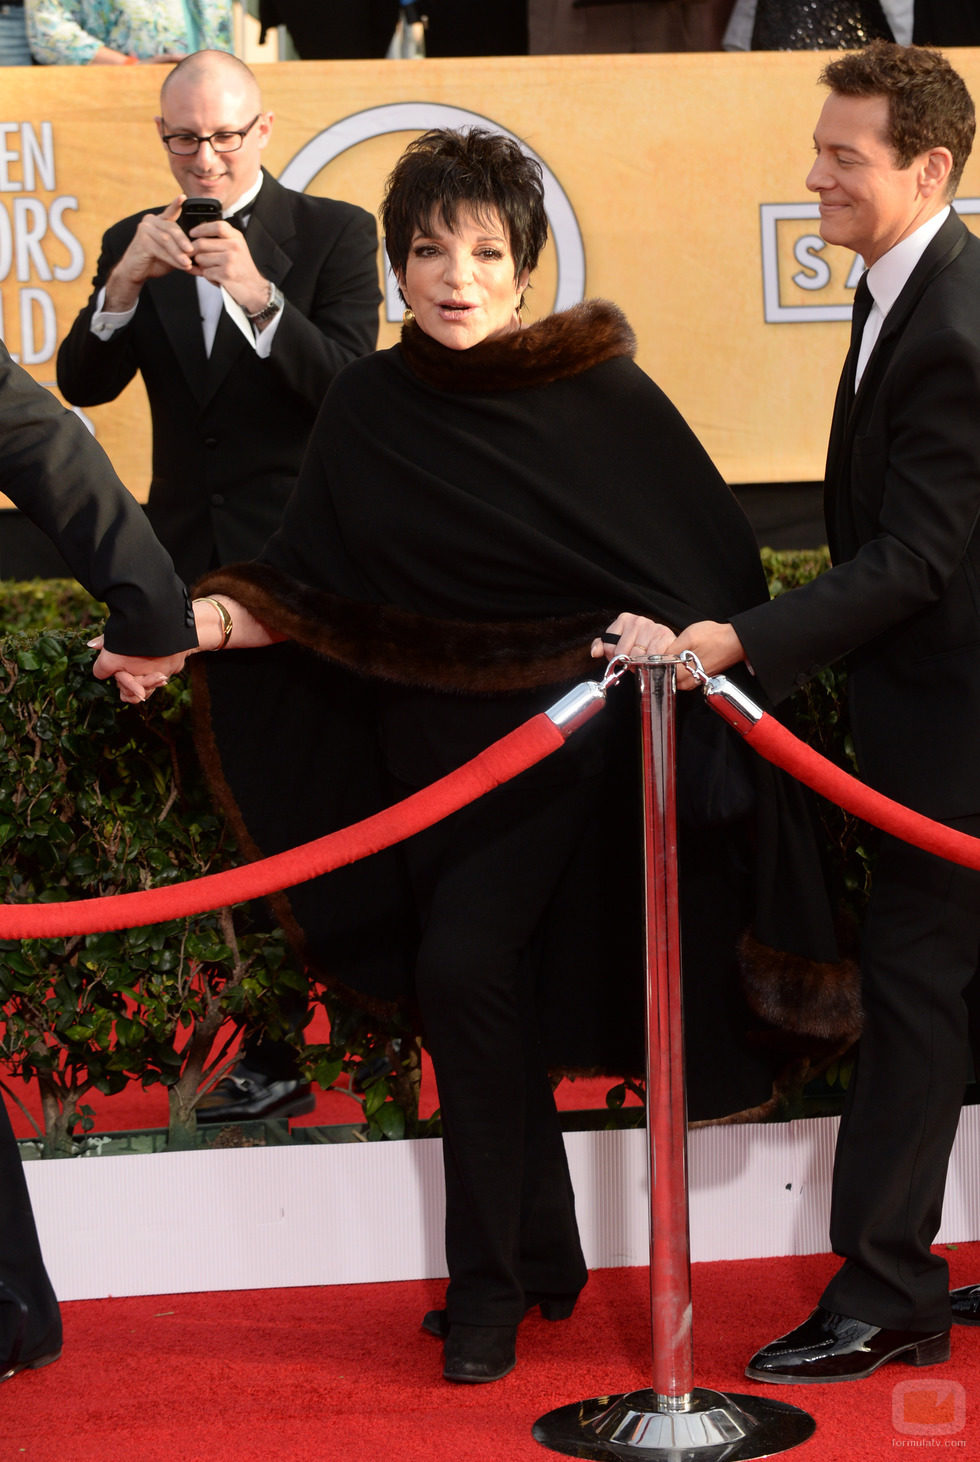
237, 327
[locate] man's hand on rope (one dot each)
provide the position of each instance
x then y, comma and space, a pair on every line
717, 646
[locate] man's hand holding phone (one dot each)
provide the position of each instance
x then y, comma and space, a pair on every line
189, 235
221, 254
158, 247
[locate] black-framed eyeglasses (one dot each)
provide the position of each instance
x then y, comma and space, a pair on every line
186, 144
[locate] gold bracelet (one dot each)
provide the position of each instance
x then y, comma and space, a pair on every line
224, 616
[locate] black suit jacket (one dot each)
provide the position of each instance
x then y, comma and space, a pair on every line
946, 23
229, 431
902, 501
57, 474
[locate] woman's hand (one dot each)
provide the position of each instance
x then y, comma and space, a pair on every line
136, 677
636, 635
216, 619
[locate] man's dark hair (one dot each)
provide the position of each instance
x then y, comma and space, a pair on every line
928, 103
445, 172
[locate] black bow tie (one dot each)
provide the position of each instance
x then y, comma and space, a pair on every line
240, 219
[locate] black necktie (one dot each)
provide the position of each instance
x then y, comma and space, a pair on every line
860, 310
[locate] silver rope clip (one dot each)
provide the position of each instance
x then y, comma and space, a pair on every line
723, 695
615, 671
694, 667
582, 702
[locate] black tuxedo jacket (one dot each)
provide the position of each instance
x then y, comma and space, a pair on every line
902, 500
57, 474
229, 430
946, 23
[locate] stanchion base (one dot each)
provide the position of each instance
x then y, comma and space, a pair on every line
715, 1428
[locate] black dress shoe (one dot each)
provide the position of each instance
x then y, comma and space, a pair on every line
44, 1356
475, 1354
553, 1307
965, 1304
830, 1347
21, 1357
248, 1096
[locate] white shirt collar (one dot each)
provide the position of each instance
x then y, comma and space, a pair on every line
890, 274
898, 13
241, 203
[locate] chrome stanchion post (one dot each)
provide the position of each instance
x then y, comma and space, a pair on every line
670, 1262
672, 1421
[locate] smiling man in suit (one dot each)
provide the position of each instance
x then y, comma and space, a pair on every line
237, 329
902, 604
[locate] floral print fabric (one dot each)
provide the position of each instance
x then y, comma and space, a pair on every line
69, 32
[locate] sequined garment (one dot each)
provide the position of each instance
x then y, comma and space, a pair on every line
818, 25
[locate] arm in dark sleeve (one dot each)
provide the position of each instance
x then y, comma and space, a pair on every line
342, 323
56, 473
91, 371
925, 523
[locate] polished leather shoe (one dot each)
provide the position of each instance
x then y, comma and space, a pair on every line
965, 1304
553, 1307
475, 1354
830, 1347
21, 1357
43, 1356
250, 1096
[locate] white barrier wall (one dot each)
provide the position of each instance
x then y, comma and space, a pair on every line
267, 1217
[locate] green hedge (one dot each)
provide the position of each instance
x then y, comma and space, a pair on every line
818, 715
97, 799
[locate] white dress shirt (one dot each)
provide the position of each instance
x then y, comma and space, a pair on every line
211, 298
888, 277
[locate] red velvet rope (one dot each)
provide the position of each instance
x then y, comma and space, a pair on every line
512, 754
781, 747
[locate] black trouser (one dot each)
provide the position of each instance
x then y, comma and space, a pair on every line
483, 880
21, 1266
921, 950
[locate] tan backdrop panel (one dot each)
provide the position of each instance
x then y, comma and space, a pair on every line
675, 188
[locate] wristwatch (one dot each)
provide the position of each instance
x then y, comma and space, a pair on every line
271, 307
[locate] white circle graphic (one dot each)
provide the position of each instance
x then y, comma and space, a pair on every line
300, 171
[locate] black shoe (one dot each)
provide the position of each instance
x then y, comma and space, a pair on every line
248, 1096
830, 1347
553, 1307
475, 1354
965, 1304
41, 1353
44, 1356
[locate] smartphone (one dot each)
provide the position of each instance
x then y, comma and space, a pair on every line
198, 210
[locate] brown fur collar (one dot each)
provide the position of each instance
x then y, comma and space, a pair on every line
393, 644
553, 349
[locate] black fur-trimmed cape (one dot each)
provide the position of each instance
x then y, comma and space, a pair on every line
465, 524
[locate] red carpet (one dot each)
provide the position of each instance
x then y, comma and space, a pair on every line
324, 1375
